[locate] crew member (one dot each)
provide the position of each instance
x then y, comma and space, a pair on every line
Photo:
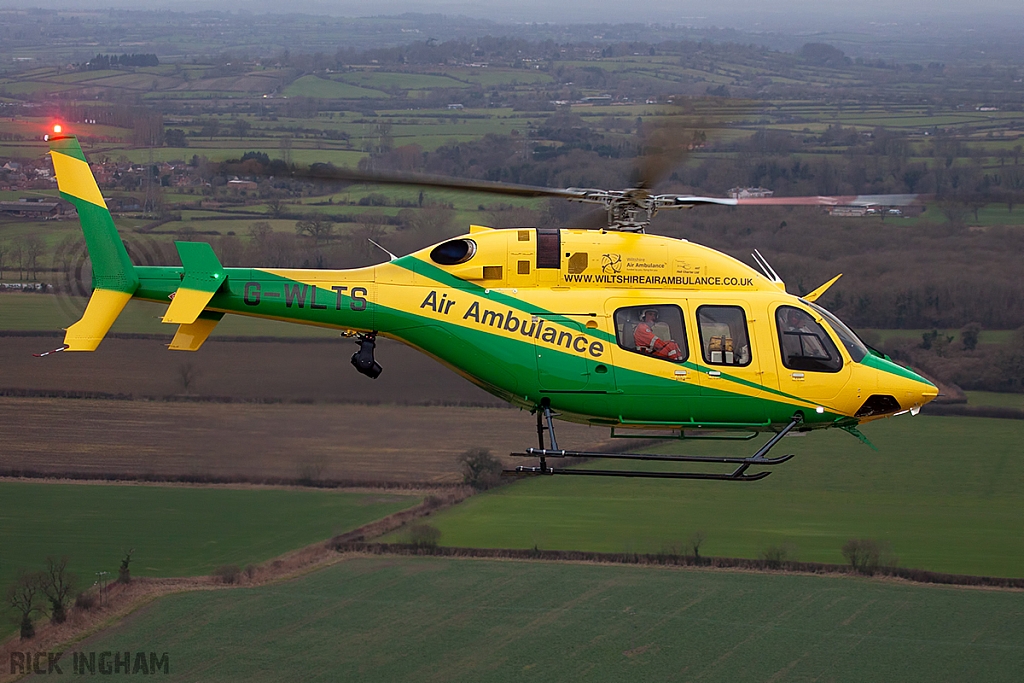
647, 342
799, 339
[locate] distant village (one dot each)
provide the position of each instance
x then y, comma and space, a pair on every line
37, 181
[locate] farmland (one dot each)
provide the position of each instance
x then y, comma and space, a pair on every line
174, 531
373, 445
945, 493
267, 415
477, 620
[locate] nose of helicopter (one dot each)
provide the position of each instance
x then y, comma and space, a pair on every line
920, 392
898, 390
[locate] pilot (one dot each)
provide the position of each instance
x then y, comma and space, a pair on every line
648, 342
799, 340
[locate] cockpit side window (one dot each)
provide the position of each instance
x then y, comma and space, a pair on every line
804, 343
854, 346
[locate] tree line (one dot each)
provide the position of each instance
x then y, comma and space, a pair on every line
102, 61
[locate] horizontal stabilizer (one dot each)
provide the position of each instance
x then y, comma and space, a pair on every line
204, 275
191, 337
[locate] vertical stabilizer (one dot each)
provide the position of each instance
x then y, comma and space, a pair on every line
113, 277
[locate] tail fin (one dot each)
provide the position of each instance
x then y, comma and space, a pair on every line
113, 277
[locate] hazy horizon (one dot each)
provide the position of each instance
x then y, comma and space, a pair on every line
788, 16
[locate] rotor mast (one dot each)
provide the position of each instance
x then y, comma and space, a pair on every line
632, 210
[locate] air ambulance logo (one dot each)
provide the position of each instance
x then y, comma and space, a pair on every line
611, 263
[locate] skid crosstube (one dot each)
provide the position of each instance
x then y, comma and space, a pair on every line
643, 475
739, 474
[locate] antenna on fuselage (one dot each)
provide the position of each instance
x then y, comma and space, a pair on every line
391, 256
766, 267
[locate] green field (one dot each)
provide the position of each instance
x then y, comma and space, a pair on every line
175, 531
312, 86
946, 493
418, 619
994, 399
402, 81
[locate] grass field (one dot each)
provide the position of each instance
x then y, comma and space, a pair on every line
175, 531
511, 621
404, 81
312, 86
998, 400
945, 492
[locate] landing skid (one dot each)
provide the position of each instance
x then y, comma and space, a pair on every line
544, 415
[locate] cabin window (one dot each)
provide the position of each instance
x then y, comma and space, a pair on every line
723, 335
804, 343
653, 330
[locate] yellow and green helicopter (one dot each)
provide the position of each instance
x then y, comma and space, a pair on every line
608, 326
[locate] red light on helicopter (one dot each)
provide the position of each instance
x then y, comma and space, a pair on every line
57, 128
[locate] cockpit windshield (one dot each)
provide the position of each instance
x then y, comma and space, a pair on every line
856, 348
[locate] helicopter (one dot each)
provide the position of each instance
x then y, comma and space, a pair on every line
608, 326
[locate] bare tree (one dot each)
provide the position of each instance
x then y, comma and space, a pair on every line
18, 256
371, 227
969, 334
775, 554
187, 374
317, 227
124, 575
5, 249
64, 255
424, 535
694, 543
866, 555
286, 148
210, 128
480, 469
312, 471
34, 248
21, 596
148, 129
57, 585
955, 211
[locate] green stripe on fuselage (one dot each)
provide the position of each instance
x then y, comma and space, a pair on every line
440, 276
884, 365
506, 366
447, 279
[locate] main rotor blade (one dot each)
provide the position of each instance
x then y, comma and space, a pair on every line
665, 148
860, 200
322, 173
668, 144
864, 200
